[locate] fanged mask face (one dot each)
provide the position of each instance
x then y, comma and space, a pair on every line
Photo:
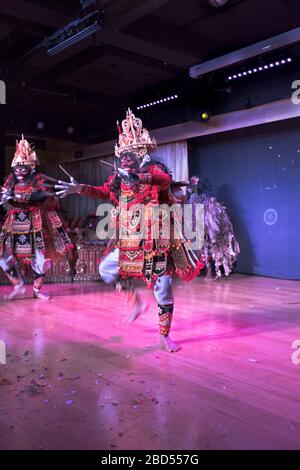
22, 172
129, 162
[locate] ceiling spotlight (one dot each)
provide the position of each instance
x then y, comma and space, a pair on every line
40, 125
204, 116
70, 130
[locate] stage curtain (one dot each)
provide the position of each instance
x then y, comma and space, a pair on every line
175, 156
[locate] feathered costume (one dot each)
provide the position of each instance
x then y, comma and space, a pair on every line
220, 248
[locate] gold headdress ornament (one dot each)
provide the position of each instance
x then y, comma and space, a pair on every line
24, 154
133, 138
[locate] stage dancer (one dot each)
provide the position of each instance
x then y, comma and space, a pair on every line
33, 231
220, 249
137, 188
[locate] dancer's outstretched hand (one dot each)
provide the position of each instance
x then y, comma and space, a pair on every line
6, 195
68, 188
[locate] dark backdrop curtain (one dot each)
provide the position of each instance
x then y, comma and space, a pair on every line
256, 173
2, 141
2, 151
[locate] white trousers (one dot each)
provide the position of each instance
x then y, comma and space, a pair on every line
39, 263
109, 269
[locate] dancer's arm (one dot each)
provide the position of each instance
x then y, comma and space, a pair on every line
96, 192
156, 176
14, 197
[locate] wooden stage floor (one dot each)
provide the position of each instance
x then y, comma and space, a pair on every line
79, 377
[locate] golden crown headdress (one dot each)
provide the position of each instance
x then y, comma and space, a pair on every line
24, 154
133, 137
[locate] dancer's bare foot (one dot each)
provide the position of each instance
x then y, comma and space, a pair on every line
38, 295
138, 309
19, 289
167, 344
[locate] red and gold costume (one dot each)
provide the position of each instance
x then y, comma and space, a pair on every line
142, 245
152, 258
145, 257
33, 231
30, 225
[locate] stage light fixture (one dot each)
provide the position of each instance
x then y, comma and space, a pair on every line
248, 53
260, 68
74, 32
204, 116
155, 103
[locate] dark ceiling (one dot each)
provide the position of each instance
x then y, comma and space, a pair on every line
144, 49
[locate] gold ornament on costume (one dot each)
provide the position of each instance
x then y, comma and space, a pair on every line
133, 137
24, 154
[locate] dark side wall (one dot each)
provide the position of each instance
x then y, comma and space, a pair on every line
2, 150
256, 173
2, 140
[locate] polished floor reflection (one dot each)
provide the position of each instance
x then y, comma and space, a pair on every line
79, 377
